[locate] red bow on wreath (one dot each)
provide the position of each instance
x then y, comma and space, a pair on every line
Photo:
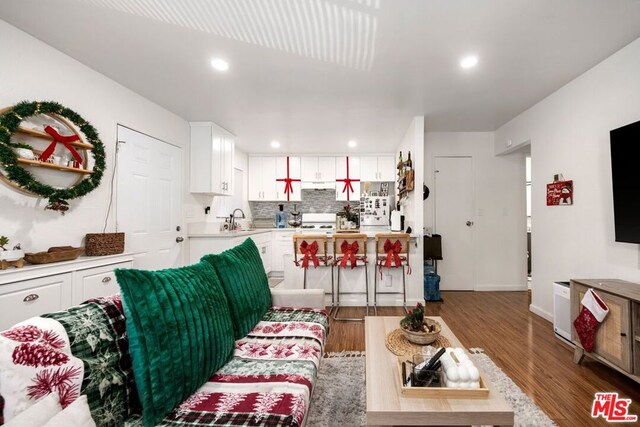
288, 186
349, 252
66, 140
309, 251
348, 187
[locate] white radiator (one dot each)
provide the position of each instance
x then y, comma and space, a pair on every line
562, 311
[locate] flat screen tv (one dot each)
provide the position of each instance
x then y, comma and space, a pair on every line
625, 172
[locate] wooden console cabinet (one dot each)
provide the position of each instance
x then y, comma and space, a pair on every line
617, 341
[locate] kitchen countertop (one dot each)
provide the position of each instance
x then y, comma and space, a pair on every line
231, 234
212, 230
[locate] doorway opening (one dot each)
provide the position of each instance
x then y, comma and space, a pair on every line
528, 210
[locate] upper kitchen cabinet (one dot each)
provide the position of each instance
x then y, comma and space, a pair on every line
378, 168
211, 154
267, 178
288, 168
318, 171
262, 178
347, 178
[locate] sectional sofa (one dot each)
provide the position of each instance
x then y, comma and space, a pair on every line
207, 344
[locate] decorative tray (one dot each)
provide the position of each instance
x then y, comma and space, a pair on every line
54, 254
440, 392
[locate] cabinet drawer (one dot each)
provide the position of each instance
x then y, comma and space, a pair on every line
45, 296
96, 282
283, 236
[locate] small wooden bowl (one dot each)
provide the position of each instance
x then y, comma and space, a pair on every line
423, 338
55, 254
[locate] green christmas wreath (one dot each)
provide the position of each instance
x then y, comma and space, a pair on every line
9, 123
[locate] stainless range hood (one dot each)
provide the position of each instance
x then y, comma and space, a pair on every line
318, 185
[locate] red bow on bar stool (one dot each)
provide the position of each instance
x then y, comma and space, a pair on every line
309, 251
349, 252
392, 255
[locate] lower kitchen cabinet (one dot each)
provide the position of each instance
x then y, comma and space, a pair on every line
202, 245
37, 289
95, 282
34, 297
282, 246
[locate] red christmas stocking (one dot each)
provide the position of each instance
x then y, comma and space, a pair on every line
593, 312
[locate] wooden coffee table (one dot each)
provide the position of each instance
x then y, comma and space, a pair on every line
387, 406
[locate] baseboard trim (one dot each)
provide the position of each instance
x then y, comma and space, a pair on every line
487, 288
540, 312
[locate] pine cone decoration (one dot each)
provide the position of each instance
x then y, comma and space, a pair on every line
24, 333
38, 355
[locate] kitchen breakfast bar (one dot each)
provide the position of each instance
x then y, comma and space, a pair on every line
276, 247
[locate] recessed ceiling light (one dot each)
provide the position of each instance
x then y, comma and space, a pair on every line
275, 144
352, 143
219, 64
469, 61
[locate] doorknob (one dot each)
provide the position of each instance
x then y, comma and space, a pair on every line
469, 223
179, 239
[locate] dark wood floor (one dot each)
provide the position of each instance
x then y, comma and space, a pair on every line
521, 344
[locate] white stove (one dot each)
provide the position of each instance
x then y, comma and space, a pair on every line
318, 223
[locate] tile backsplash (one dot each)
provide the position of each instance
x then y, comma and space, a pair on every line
313, 201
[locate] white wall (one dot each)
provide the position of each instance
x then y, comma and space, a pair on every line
34, 71
499, 231
411, 205
569, 134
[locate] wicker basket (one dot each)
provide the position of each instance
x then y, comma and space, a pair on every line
423, 338
100, 244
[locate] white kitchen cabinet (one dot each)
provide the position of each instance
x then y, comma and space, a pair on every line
33, 298
96, 282
262, 178
294, 172
263, 242
377, 168
214, 244
282, 247
318, 169
264, 172
37, 289
341, 173
211, 155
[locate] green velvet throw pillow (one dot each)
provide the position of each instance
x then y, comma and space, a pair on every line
245, 283
180, 333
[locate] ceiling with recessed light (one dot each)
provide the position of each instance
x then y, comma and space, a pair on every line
315, 74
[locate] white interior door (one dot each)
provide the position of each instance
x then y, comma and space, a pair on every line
149, 205
454, 221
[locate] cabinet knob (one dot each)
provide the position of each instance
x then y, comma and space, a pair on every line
179, 239
622, 334
106, 279
31, 297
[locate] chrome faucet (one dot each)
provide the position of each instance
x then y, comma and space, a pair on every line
233, 218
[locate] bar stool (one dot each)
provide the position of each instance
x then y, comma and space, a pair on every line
392, 251
350, 250
311, 250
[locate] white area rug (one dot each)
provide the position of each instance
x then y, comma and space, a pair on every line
339, 398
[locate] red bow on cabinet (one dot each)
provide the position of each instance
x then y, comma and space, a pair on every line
66, 140
309, 251
393, 253
349, 252
348, 187
288, 186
